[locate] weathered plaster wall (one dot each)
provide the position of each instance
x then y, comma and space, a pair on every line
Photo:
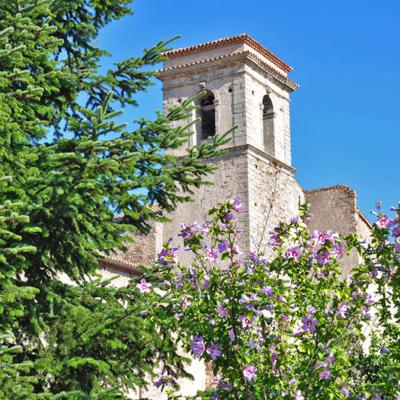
336, 208
257, 85
267, 188
274, 196
363, 226
229, 180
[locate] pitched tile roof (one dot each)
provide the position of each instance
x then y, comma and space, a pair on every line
242, 38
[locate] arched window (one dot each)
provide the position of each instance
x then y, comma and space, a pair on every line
207, 116
268, 125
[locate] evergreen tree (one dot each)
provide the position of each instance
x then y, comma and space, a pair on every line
67, 168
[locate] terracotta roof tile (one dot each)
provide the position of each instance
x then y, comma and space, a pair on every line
242, 38
278, 74
118, 263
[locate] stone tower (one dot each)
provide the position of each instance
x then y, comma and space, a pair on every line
247, 86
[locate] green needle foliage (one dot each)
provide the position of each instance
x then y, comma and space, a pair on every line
67, 168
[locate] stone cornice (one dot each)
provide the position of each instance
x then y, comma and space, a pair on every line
118, 264
222, 60
243, 38
236, 151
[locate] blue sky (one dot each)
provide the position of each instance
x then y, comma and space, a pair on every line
346, 57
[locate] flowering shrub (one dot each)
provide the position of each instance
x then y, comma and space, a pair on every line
290, 327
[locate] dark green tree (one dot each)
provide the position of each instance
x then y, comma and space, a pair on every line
67, 168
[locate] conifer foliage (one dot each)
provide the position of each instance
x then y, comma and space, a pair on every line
67, 168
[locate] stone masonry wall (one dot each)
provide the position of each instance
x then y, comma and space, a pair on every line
257, 85
336, 208
144, 248
238, 89
227, 86
274, 196
228, 180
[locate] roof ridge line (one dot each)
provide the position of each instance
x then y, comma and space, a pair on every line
241, 38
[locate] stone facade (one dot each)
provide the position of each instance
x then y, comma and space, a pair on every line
336, 208
242, 76
246, 86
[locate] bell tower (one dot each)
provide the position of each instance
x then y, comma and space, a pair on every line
244, 85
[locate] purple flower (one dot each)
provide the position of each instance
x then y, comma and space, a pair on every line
223, 312
309, 323
222, 226
161, 380
384, 350
284, 318
229, 217
244, 299
237, 204
178, 283
323, 257
370, 300
205, 228
214, 351
396, 231
144, 286
299, 395
275, 240
293, 252
253, 344
231, 334
168, 256
342, 309
188, 231
345, 392
321, 237
384, 222
274, 357
223, 246
249, 373
330, 359
267, 290
339, 250
377, 274
311, 310
198, 347
185, 302
236, 250
255, 259
247, 301
325, 373
211, 253
246, 321
366, 310
282, 299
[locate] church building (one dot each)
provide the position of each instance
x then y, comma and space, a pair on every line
247, 86
243, 84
